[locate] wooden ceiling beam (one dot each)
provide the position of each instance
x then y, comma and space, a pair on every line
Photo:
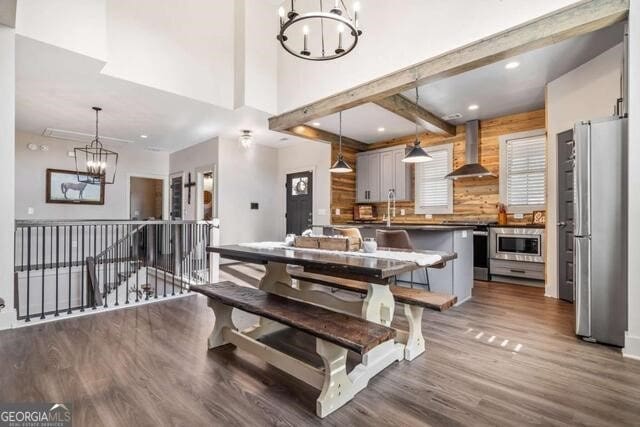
314, 134
401, 106
574, 20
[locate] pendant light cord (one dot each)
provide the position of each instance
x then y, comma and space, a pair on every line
416, 119
340, 138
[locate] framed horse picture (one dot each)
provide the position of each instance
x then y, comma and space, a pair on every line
63, 186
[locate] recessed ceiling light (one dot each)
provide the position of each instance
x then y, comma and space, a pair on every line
511, 65
143, 136
473, 107
380, 129
316, 124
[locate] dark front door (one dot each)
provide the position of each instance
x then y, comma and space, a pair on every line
299, 202
565, 216
176, 197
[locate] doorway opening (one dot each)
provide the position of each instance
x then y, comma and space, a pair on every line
145, 198
299, 212
206, 199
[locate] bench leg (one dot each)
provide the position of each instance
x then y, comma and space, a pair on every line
415, 341
337, 388
379, 305
222, 321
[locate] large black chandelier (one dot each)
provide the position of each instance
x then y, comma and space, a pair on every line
94, 163
339, 23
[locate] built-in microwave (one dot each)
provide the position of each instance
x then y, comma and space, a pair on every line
517, 244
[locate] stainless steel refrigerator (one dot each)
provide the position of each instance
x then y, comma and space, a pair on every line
600, 230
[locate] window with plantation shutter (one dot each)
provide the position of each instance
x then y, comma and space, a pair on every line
434, 193
522, 171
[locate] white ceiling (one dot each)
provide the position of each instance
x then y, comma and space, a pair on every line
496, 90
362, 123
56, 88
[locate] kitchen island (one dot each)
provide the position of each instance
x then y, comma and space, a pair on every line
456, 278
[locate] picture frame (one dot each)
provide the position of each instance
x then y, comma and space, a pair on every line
539, 217
63, 186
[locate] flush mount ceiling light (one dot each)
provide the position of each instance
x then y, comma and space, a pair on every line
319, 22
340, 166
94, 163
381, 129
316, 124
143, 136
417, 154
511, 65
246, 139
473, 107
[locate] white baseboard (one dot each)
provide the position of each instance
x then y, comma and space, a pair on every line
631, 348
7, 318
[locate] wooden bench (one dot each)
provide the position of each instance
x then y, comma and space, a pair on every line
414, 302
335, 333
426, 299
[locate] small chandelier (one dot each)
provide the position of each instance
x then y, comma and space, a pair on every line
246, 139
338, 17
93, 161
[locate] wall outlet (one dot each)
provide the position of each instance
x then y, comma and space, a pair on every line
518, 216
403, 212
428, 216
464, 234
254, 206
30, 211
338, 211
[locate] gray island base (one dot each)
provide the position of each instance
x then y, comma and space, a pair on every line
456, 278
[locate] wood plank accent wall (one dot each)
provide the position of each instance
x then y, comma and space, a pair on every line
473, 199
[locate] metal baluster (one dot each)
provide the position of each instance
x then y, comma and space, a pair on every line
57, 313
94, 286
118, 258
82, 278
126, 286
172, 232
27, 319
70, 264
106, 268
138, 264
44, 248
164, 246
155, 258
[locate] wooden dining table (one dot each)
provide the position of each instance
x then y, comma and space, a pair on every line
378, 306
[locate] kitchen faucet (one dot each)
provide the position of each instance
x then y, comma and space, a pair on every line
391, 195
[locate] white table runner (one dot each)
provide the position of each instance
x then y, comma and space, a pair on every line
421, 259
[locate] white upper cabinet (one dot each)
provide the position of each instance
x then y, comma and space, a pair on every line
379, 171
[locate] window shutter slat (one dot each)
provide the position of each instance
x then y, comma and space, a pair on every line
526, 163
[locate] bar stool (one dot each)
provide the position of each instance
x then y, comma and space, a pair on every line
398, 239
349, 232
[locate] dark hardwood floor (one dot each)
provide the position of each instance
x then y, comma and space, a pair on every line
507, 357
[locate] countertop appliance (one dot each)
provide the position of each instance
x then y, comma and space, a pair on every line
600, 229
517, 244
480, 246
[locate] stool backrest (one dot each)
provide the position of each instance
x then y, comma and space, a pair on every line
395, 239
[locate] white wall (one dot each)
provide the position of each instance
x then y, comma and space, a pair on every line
30, 176
315, 156
7, 147
248, 175
193, 159
400, 34
184, 48
588, 92
632, 344
76, 25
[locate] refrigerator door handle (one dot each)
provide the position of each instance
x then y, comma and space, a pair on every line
582, 276
581, 178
